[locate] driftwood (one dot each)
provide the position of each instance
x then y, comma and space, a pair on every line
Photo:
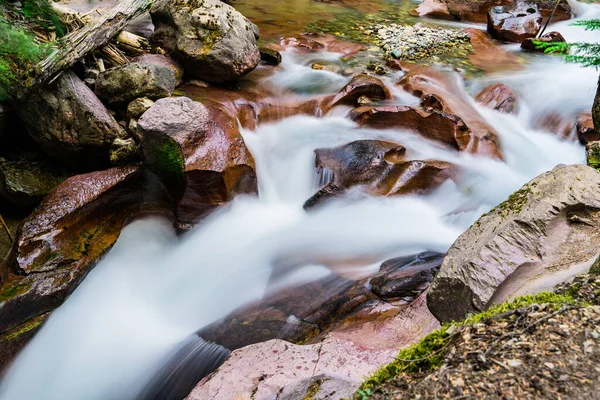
92, 36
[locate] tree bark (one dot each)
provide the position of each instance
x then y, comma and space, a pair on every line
81, 42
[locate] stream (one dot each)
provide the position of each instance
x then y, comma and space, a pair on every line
155, 289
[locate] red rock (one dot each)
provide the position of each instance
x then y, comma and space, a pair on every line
499, 97
304, 42
585, 129
516, 23
487, 56
561, 125
478, 137
360, 85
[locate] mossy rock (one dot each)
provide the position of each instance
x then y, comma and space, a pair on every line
164, 157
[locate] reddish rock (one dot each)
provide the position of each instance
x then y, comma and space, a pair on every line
350, 353
360, 85
476, 10
304, 42
487, 56
430, 103
550, 37
500, 97
561, 125
585, 129
478, 137
516, 23
313, 41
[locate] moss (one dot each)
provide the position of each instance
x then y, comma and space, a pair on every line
595, 268
515, 202
10, 290
169, 159
428, 354
313, 390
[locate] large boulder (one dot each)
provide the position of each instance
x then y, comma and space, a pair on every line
476, 10
26, 183
70, 123
211, 39
281, 370
153, 76
545, 233
480, 137
520, 21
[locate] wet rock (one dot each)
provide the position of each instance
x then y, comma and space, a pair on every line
269, 56
550, 37
378, 168
478, 137
500, 97
264, 369
439, 126
63, 238
592, 151
138, 79
163, 61
361, 85
13, 341
488, 56
517, 23
303, 41
70, 123
476, 10
544, 234
26, 183
211, 39
139, 106
585, 129
560, 124
123, 151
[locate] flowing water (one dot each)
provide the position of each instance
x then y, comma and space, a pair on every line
149, 295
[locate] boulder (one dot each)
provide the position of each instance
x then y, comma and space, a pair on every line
500, 97
152, 77
70, 123
544, 234
478, 137
164, 61
476, 10
378, 168
211, 39
550, 37
585, 129
521, 21
360, 85
26, 183
277, 368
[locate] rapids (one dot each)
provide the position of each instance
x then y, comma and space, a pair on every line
154, 289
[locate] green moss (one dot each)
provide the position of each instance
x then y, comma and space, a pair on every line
429, 353
10, 290
313, 390
515, 202
23, 328
169, 159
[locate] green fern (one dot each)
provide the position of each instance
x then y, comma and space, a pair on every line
586, 54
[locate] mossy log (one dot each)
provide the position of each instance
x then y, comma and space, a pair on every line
87, 39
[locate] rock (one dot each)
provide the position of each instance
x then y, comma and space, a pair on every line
550, 37
360, 85
269, 56
139, 106
379, 168
488, 56
476, 10
500, 97
517, 23
303, 41
3, 114
322, 387
163, 61
478, 137
123, 151
211, 39
596, 109
70, 123
26, 183
151, 77
544, 234
264, 370
13, 341
592, 151
585, 129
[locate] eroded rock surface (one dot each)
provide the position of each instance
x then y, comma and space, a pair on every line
544, 234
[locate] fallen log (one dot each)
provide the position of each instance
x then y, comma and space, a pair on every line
79, 43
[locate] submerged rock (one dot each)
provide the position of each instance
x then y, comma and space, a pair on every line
70, 123
153, 77
544, 234
521, 21
585, 129
270, 56
500, 97
211, 39
360, 85
25, 183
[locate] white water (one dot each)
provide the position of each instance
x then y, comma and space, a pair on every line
153, 290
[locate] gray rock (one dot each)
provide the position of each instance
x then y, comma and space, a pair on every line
139, 106
25, 183
516, 23
320, 387
544, 234
70, 123
159, 59
211, 39
150, 77
123, 151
